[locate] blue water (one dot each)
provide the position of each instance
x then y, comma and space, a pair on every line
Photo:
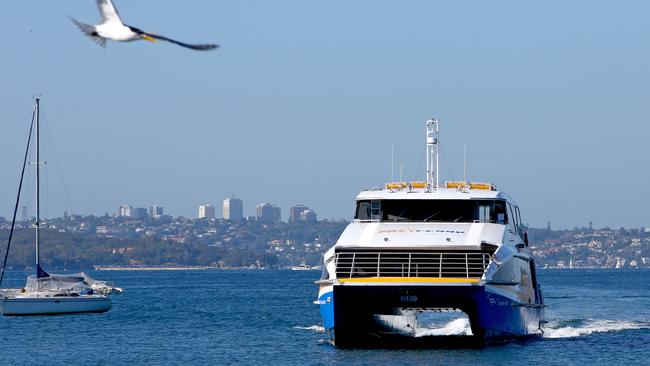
267, 317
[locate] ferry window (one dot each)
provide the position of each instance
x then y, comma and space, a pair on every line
484, 209
368, 210
363, 210
428, 210
375, 210
487, 211
518, 213
499, 215
513, 217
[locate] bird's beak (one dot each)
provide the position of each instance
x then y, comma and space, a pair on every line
148, 38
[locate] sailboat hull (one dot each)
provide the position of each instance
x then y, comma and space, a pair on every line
54, 305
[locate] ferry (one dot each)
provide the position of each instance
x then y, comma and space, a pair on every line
419, 249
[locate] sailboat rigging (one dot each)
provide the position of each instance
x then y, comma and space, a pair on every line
47, 293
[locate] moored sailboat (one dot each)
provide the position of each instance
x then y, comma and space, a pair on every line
47, 293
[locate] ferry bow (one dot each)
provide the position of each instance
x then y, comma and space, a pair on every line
416, 248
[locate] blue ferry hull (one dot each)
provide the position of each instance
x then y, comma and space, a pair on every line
348, 312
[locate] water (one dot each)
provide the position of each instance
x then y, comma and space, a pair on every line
256, 317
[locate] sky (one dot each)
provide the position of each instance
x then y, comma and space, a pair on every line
303, 101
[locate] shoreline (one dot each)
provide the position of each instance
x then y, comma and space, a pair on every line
288, 268
192, 268
154, 268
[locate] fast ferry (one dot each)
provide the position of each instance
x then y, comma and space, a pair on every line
417, 249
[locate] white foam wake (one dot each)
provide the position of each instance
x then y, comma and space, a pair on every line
558, 330
554, 329
314, 328
458, 326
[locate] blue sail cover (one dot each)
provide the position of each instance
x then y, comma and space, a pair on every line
40, 273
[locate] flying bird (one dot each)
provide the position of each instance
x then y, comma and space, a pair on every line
111, 27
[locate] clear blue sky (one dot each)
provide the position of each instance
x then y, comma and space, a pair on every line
303, 99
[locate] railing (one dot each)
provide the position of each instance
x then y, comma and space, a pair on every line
411, 264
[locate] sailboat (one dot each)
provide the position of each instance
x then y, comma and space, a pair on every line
46, 293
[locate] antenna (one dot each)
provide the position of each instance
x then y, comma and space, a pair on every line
465, 162
432, 154
392, 160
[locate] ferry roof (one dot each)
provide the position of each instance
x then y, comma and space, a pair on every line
439, 194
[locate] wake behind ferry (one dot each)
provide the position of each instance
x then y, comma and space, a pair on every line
418, 250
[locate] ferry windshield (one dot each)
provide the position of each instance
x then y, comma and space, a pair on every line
490, 211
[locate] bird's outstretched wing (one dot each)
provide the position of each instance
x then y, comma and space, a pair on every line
108, 12
90, 31
198, 47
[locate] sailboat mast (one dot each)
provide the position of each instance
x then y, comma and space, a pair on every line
38, 196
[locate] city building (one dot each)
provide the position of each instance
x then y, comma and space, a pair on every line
125, 211
308, 216
139, 213
233, 209
295, 211
206, 212
155, 212
268, 213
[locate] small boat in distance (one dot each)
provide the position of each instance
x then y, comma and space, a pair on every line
302, 267
45, 293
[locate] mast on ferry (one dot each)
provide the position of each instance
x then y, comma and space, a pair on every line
432, 154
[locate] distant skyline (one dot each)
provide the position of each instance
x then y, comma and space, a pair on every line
303, 100
286, 217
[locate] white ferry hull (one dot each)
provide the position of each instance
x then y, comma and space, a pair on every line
54, 305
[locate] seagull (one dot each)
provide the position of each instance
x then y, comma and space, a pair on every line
111, 27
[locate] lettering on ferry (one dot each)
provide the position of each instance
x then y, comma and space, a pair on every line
420, 231
408, 298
